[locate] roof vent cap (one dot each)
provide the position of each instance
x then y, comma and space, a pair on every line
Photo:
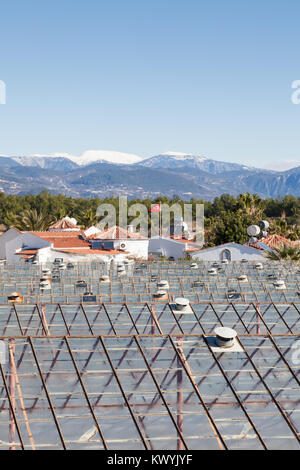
225, 337
212, 272
160, 294
181, 303
163, 284
198, 283
279, 284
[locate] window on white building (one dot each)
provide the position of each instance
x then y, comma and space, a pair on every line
226, 254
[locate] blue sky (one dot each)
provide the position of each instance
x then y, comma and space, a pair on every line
148, 76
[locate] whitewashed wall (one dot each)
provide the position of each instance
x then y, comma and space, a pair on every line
8, 236
171, 248
238, 252
23, 239
136, 248
48, 255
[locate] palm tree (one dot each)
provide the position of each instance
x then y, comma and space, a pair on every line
251, 204
285, 252
35, 221
11, 219
89, 218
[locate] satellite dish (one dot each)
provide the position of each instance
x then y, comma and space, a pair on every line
253, 230
264, 224
265, 234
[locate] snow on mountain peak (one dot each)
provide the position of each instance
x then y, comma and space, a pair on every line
86, 158
92, 156
183, 156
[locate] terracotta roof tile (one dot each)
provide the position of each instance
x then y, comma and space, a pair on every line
272, 241
63, 224
27, 252
90, 251
115, 233
63, 239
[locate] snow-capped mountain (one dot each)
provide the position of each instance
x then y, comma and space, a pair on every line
167, 160
176, 160
50, 162
93, 156
67, 161
103, 173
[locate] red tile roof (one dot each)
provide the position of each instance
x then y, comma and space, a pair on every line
115, 233
70, 242
63, 224
273, 241
63, 239
90, 251
27, 252
59, 234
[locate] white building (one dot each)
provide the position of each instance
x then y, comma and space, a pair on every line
230, 251
119, 238
13, 240
44, 247
174, 248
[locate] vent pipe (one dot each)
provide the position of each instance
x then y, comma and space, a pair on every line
225, 337
163, 285
182, 303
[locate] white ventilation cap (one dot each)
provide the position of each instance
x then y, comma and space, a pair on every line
212, 271
163, 284
225, 336
181, 303
279, 284
14, 294
160, 293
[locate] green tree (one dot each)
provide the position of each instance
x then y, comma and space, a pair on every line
88, 218
35, 221
284, 252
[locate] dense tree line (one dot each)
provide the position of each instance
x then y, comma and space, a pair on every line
226, 218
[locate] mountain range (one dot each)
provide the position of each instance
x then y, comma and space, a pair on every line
104, 173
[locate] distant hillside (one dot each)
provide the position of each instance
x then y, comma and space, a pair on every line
166, 174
